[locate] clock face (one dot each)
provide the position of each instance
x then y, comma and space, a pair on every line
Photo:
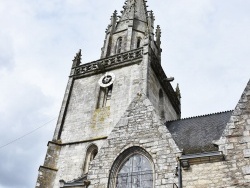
106, 80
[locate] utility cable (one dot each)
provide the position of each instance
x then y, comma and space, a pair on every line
19, 138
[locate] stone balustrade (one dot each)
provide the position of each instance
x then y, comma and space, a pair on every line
109, 61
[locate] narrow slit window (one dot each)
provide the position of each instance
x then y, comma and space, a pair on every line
161, 104
138, 44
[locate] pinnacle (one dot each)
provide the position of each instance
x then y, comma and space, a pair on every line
77, 59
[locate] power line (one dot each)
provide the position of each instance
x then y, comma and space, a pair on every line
19, 138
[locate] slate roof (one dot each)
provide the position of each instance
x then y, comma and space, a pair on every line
196, 134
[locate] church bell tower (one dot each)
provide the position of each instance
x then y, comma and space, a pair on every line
99, 93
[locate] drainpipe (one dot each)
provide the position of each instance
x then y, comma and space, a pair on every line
179, 174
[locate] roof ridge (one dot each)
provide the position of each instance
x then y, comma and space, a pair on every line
192, 117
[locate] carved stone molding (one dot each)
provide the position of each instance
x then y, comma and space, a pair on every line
102, 64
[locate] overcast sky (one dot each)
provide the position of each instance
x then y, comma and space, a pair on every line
205, 45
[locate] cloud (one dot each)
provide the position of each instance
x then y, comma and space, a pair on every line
205, 46
6, 52
23, 112
28, 94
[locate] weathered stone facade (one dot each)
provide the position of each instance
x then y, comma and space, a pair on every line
139, 126
123, 105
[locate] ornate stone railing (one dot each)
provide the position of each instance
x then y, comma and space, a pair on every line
101, 64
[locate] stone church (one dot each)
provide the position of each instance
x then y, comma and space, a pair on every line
120, 122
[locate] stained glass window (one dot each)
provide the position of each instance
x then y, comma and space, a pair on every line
136, 172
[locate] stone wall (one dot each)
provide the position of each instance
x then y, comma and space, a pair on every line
140, 126
206, 175
71, 161
83, 121
154, 87
235, 142
47, 172
45, 178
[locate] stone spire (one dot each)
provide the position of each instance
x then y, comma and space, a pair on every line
134, 9
133, 29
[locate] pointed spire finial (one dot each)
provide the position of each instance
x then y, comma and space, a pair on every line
112, 25
77, 59
114, 19
158, 36
178, 91
151, 24
114, 16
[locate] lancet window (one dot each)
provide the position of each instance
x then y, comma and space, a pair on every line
119, 45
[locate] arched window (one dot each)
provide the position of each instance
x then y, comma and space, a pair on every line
132, 169
90, 155
161, 104
138, 44
104, 96
119, 45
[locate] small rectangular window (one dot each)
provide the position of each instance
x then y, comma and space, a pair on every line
138, 42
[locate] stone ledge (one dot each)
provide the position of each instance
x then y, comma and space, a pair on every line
48, 168
78, 142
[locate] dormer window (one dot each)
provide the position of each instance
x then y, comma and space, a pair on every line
119, 45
